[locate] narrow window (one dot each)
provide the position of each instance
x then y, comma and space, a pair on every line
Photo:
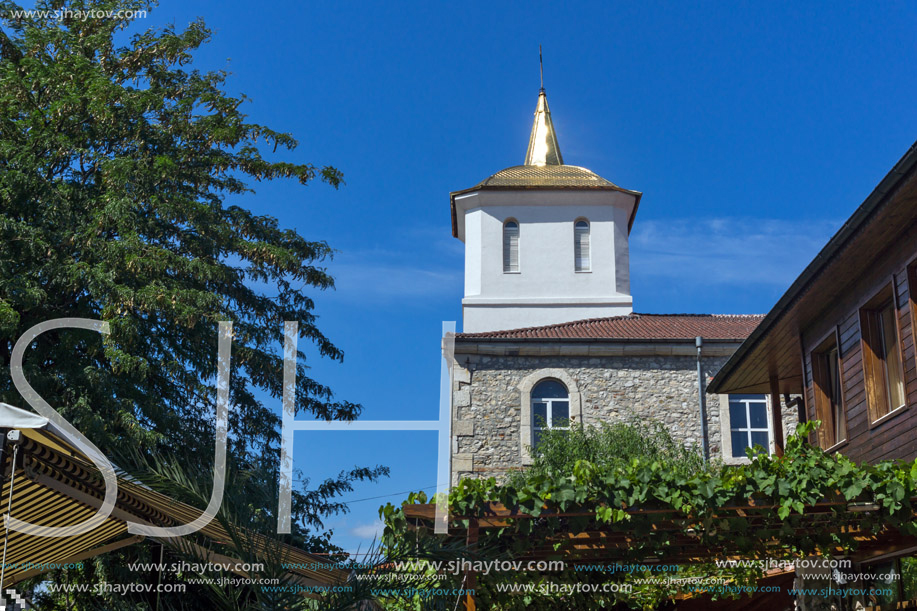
829, 403
550, 408
510, 247
582, 260
748, 423
912, 299
882, 365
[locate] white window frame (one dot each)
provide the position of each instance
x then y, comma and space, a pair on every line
549, 413
726, 429
576, 247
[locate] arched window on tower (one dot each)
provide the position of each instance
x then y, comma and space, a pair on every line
582, 261
550, 408
511, 246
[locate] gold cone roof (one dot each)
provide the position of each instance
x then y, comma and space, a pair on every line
543, 147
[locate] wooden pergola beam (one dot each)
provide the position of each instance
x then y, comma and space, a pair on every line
597, 544
496, 514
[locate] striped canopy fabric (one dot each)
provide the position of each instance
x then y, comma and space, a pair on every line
55, 485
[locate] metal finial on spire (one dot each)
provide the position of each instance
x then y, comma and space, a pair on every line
541, 65
543, 148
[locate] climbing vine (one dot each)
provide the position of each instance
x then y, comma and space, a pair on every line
804, 503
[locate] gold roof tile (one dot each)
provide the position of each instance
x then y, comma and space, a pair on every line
545, 176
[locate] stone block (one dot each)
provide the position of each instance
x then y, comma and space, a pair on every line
463, 428
461, 375
462, 398
463, 462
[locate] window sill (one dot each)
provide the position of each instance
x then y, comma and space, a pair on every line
506, 272
887, 416
742, 460
582, 271
840, 444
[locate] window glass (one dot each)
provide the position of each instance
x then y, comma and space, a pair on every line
581, 247
759, 439
826, 374
511, 246
550, 408
738, 415
560, 413
748, 423
758, 415
540, 414
838, 424
892, 356
739, 443
549, 389
882, 366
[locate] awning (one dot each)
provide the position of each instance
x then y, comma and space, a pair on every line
56, 485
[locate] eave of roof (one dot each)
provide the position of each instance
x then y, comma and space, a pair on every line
605, 185
466, 339
839, 241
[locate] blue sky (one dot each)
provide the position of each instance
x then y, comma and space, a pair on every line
753, 129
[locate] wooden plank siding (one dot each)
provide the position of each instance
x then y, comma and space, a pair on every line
891, 437
845, 291
836, 277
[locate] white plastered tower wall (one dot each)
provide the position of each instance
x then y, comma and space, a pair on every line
547, 289
545, 198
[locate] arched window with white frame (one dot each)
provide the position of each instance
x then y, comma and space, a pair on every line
582, 261
550, 408
511, 246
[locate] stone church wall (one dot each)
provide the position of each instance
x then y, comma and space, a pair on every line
490, 396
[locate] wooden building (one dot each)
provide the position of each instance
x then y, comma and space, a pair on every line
843, 335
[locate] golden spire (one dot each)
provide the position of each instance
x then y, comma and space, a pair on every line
543, 147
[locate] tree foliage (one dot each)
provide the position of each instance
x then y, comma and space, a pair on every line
609, 444
116, 157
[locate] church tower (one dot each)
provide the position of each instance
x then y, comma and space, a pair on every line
545, 242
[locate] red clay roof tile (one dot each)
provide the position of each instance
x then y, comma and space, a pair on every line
636, 327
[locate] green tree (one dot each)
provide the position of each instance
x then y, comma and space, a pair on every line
115, 160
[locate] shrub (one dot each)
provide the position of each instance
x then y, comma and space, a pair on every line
610, 445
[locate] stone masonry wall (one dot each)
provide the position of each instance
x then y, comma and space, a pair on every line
487, 402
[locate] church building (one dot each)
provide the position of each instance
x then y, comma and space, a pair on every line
550, 338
